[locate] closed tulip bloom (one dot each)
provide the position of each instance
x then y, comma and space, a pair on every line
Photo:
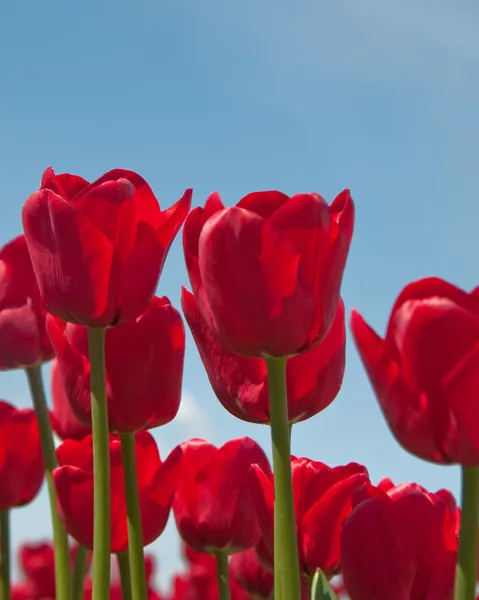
143, 363
37, 564
21, 463
98, 249
267, 272
213, 505
240, 383
64, 422
23, 338
74, 486
425, 372
251, 574
400, 545
323, 498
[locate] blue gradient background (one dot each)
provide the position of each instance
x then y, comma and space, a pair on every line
379, 96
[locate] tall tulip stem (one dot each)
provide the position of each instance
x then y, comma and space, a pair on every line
101, 465
466, 572
135, 536
5, 555
60, 537
79, 571
223, 576
287, 582
125, 575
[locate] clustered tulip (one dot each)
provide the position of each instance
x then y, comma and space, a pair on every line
268, 320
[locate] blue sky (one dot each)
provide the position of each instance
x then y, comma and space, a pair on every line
379, 96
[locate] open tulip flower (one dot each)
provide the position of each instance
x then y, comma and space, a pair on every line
213, 505
98, 248
74, 485
400, 544
425, 371
267, 272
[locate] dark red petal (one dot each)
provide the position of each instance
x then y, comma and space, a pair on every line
264, 204
258, 301
237, 381
72, 259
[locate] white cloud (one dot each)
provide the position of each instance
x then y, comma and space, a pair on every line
192, 420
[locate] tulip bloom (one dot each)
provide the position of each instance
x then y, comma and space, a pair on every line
213, 504
323, 498
251, 575
98, 249
21, 463
144, 367
267, 272
401, 544
425, 372
74, 485
240, 383
23, 339
64, 422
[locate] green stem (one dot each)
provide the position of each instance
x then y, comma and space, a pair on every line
5, 555
101, 465
223, 576
287, 582
79, 571
60, 537
466, 571
135, 535
125, 579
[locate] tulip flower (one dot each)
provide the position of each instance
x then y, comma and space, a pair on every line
267, 272
323, 498
425, 373
21, 464
98, 249
64, 422
144, 368
251, 575
240, 383
213, 507
400, 545
23, 339
74, 485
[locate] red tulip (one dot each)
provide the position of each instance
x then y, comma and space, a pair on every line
64, 422
213, 506
323, 498
21, 463
426, 371
400, 546
314, 378
251, 575
98, 249
267, 272
22, 591
74, 486
23, 339
144, 367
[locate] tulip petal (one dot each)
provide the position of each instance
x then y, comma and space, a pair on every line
258, 301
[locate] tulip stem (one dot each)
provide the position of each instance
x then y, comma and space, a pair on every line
223, 576
125, 575
466, 571
135, 534
101, 465
79, 571
60, 537
287, 582
5, 555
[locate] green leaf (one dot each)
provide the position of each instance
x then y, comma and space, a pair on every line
320, 588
